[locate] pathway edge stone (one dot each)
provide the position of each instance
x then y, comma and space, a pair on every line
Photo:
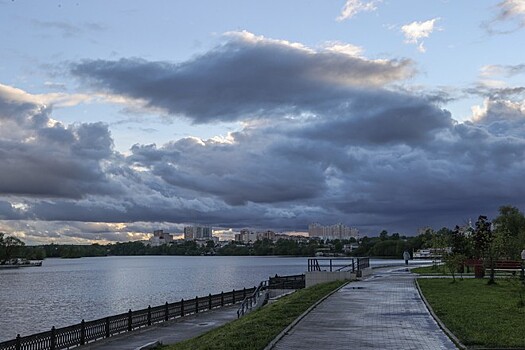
296, 321
149, 346
445, 329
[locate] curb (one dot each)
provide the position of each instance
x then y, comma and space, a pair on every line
441, 325
298, 319
149, 346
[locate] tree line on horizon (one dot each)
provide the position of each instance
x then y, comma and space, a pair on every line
503, 237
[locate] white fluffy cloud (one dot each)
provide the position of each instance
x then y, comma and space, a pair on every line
353, 7
416, 31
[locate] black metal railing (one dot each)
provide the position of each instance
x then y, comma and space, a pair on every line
90, 331
338, 264
258, 297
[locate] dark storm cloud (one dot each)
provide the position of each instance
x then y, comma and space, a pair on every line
235, 173
323, 139
41, 157
382, 118
263, 177
247, 77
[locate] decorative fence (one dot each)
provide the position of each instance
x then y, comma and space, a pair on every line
90, 331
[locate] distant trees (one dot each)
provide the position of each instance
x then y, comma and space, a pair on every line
9, 247
504, 237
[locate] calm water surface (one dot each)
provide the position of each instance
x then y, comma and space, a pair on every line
64, 291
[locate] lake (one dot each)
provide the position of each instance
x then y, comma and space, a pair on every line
64, 291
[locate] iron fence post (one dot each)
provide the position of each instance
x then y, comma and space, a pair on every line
196, 304
149, 315
82, 332
182, 307
209, 301
53, 338
233, 297
222, 299
107, 327
130, 320
166, 312
17, 345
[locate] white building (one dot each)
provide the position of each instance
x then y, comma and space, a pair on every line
159, 238
247, 236
337, 231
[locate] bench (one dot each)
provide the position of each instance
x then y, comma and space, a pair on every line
511, 266
507, 266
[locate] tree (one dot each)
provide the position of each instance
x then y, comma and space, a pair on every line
454, 262
9, 247
485, 245
338, 246
510, 225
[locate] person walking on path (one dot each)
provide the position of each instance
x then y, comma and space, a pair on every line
522, 273
406, 256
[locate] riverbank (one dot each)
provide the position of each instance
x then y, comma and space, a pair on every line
100, 287
259, 328
352, 315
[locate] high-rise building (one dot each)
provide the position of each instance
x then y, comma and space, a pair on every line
337, 231
188, 233
197, 232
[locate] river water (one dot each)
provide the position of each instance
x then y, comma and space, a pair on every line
63, 291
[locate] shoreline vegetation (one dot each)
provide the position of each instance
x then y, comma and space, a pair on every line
384, 246
503, 238
257, 329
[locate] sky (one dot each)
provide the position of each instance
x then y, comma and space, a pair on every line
119, 118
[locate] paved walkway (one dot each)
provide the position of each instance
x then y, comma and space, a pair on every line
384, 311
169, 332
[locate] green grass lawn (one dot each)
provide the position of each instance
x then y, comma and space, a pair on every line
477, 313
255, 330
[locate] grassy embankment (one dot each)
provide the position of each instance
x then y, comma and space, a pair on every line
255, 330
477, 313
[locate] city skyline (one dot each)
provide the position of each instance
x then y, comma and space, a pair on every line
119, 118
